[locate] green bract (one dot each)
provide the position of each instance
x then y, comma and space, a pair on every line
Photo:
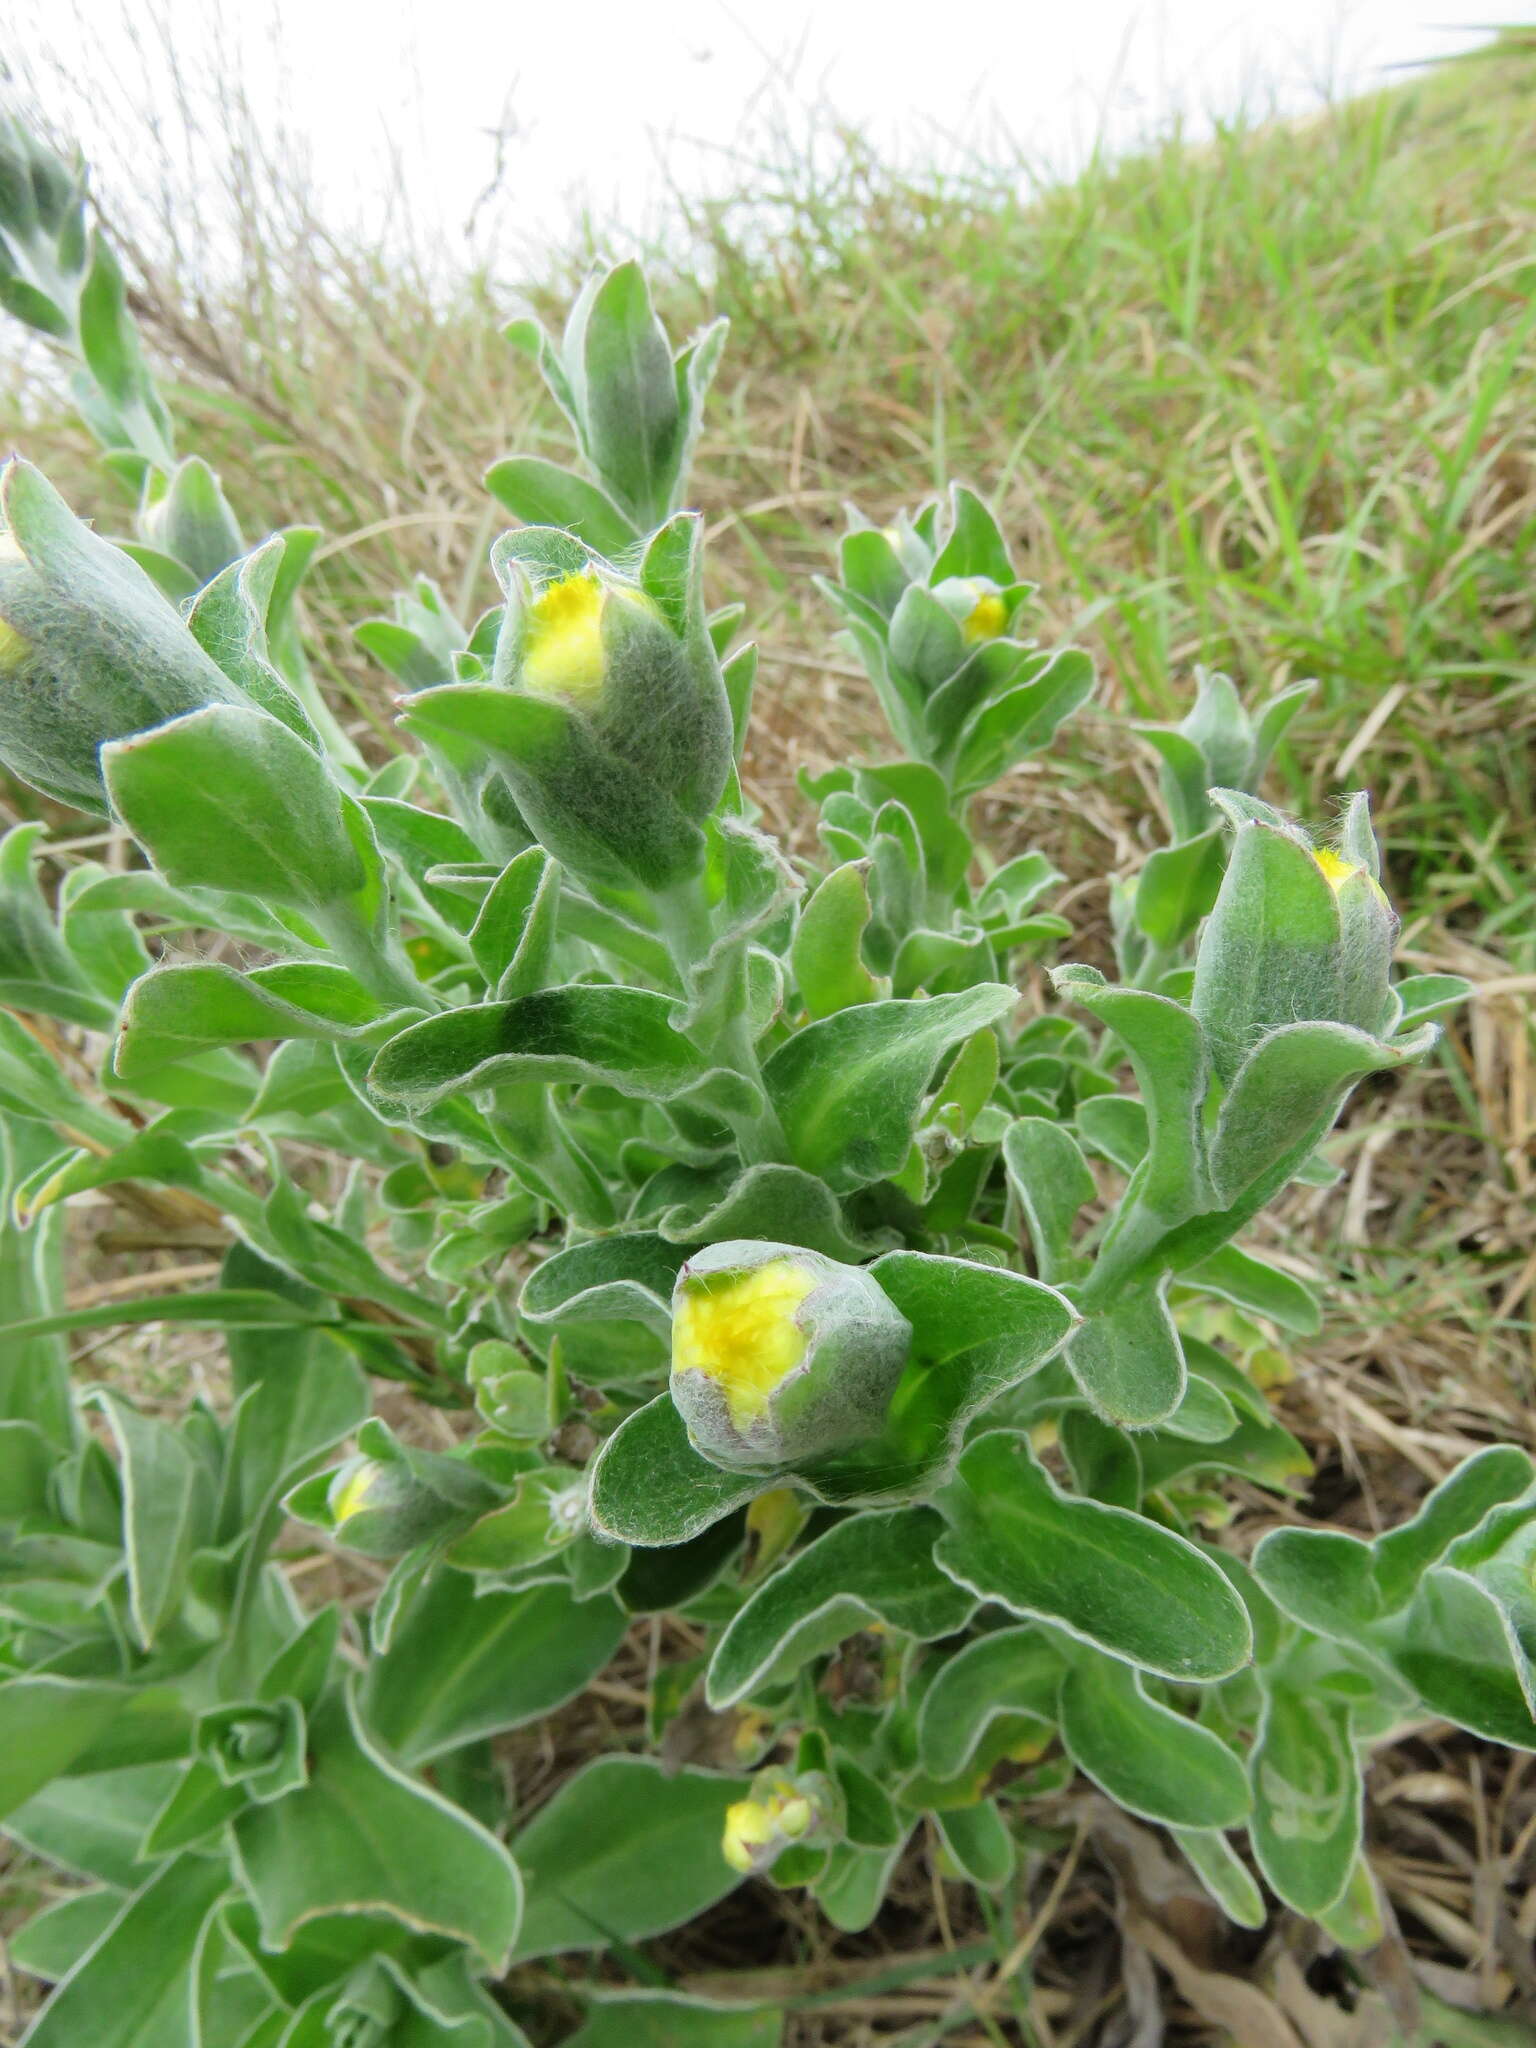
90, 650
746, 1237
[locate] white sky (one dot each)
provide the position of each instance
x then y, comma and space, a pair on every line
603, 103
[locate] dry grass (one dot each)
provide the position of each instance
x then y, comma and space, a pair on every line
1265, 403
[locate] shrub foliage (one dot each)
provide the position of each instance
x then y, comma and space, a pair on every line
770, 1261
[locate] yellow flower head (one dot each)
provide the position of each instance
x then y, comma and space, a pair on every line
986, 618
563, 647
1336, 869
757, 1829
749, 1830
352, 1495
739, 1330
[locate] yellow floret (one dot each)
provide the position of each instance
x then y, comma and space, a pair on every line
353, 1496
749, 1828
986, 619
740, 1331
563, 651
1336, 869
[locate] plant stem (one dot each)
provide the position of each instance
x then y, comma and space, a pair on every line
376, 959
525, 1123
720, 1025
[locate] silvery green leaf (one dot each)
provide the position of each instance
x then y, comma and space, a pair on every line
623, 1851
1306, 1798
1151, 1760
1108, 1576
872, 1567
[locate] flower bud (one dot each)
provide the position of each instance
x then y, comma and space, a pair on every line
976, 604
601, 645
186, 515
370, 2011
90, 650
631, 747
381, 1509
782, 1813
1298, 934
781, 1355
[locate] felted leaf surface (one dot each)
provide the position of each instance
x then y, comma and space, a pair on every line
623, 1038
1014, 1671
463, 1664
623, 1851
1107, 1575
1149, 1759
779, 1203
609, 1279
847, 1088
872, 1567
1129, 1361
173, 1013
976, 1331
229, 798
167, 1511
543, 494
134, 1989
363, 1837
1306, 1799
649, 1485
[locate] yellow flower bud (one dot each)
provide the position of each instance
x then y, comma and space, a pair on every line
13, 648
749, 1830
1337, 871
1277, 950
621, 741
781, 1355
741, 1333
90, 649
779, 1814
986, 618
563, 652
351, 1496
795, 1817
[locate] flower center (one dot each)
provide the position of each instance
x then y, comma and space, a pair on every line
1336, 869
563, 650
986, 618
740, 1331
352, 1497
